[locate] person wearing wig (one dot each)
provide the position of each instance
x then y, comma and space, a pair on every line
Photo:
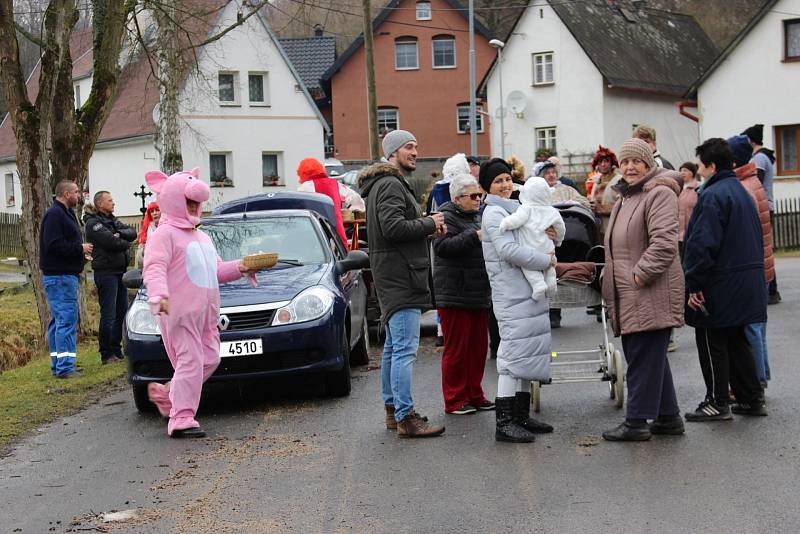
182, 273
151, 220
314, 179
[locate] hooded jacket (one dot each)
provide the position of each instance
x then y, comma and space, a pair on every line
398, 244
723, 256
525, 342
459, 274
111, 253
642, 240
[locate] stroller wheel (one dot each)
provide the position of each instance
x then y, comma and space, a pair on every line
618, 380
536, 390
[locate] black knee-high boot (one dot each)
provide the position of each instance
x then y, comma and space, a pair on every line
507, 429
522, 410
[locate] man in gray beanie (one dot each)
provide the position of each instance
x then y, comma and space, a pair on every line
400, 149
398, 243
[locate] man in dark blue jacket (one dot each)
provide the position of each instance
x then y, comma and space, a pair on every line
112, 243
61, 257
723, 261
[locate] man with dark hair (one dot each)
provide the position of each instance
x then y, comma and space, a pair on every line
61, 256
112, 242
399, 257
764, 158
723, 262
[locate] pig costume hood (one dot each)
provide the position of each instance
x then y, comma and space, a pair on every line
172, 193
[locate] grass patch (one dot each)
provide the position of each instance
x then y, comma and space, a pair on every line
30, 396
19, 329
787, 254
12, 268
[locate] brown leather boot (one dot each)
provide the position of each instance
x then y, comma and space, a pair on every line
416, 426
391, 424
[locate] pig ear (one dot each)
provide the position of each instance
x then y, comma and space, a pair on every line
155, 180
195, 172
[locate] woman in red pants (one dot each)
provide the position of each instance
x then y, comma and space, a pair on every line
462, 291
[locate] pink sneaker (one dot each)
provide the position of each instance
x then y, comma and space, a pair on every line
159, 395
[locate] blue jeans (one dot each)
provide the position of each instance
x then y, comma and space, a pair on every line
399, 355
113, 297
62, 296
757, 338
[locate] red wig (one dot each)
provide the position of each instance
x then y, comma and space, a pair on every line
148, 218
604, 153
310, 169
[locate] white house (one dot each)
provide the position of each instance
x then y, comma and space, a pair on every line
581, 74
756, 80
247, 119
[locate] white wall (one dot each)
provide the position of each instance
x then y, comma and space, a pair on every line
10, 168
676, 135
120, 169
573, 104
289, 125
753, 84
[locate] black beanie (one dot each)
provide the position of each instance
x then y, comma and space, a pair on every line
490, 170
755, 133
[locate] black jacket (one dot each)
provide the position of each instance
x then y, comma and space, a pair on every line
60, 242
459, 274
723, 255
111, 254
398, 244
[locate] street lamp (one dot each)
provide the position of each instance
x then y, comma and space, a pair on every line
499, 45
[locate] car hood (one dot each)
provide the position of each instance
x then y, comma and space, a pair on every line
274, 285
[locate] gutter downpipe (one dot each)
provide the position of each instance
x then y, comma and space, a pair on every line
687, 103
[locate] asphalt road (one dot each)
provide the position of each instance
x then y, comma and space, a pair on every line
278, 458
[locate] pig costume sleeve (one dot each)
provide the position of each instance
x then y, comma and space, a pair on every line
182, 266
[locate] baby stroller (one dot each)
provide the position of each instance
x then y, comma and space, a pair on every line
580, 263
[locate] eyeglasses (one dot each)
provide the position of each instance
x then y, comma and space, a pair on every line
473, 196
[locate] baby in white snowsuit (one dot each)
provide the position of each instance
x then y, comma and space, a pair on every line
532, 219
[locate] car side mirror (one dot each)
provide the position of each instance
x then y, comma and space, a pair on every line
132, 279
355, 259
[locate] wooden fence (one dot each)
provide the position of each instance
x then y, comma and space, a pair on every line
786, 233
10, 235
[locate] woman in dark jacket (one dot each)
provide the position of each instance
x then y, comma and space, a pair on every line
461, 287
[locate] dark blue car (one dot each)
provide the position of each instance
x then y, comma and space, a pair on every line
307, 315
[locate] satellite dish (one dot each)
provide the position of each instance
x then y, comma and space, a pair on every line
517, 102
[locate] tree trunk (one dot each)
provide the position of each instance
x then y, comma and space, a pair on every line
171, 70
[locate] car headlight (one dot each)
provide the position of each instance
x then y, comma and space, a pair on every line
140, 320
310, 304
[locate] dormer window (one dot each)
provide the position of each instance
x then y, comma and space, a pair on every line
424, 11
791, 35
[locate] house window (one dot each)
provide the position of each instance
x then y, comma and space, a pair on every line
788, 145
9, 192
220, 164
228, 88
462, 122
405, 53
444, 52
258, 90
77, 96
424, 11
791, 35
388, 120
543, 68
546, 138
271, 174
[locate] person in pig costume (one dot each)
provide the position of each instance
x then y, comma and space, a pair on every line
181, 273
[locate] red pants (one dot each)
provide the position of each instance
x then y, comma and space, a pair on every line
465, 344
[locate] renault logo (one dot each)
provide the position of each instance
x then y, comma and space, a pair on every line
223, 322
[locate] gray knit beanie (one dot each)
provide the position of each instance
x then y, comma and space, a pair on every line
636, 148
394, 140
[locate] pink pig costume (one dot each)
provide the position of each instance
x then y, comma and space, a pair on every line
182, 265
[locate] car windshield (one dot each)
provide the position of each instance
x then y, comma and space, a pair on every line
293, 238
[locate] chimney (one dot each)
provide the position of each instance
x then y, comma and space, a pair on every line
318, 30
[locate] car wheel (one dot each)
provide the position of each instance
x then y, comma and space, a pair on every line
141, 400
360, 354
337, 383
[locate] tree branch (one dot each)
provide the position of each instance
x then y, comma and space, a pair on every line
28, 35
232, 27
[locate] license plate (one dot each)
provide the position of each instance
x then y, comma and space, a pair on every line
243, 347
